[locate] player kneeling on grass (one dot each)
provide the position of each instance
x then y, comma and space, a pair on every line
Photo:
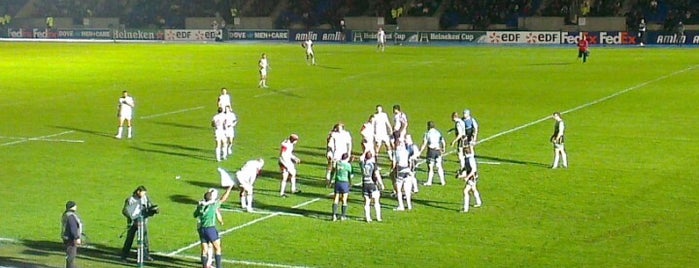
470, 175
369, 186
343, 174
287, 163
207, 213
403, 175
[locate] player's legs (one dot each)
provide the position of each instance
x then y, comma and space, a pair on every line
467, 189
440, 170
564, 156
336, 201
230, 145
476, 195
243, 199
217, 252
399, 194
367, 207
120, 128
285, 177
462, 157
344, 206
408, 191
376, 195
204, 254
128, 128
248, 197
430, 171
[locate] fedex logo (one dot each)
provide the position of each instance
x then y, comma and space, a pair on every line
617, 38
572, 37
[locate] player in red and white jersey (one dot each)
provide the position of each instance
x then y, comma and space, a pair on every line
287, 164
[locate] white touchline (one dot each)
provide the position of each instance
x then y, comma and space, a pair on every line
263, 212
253, 263
23, 140
173, 112
174, 253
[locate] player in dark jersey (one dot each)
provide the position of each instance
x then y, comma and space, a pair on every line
370, 190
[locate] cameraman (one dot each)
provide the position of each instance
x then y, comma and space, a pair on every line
137, 207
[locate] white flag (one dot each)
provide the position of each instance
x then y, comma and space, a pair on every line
226, 179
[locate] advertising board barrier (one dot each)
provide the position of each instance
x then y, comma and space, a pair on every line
269, 35
511, 37
668, 38
190, 35
323, 36
60, 33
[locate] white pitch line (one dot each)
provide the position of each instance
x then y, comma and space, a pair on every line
23, 140
173, 112
178, 251
253, 263
263, 212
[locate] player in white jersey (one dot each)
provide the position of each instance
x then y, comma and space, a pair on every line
231, 122
470, 174
310, 56
434, 142
219, 125
382, 130
263, 64
400, 123
224, 99
403, 176
381, 39
558, 140
125, 114
367, 133
460, 140
287, 164
245, 180
340, 143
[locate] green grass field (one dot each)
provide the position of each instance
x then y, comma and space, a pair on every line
628, 199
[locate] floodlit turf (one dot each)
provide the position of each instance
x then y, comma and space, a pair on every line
628, 199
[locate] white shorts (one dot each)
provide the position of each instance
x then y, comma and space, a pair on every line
559, 146
244, 180
368, 144
337, 155
230, 132
263, 72
125, 115
382, 138
220, 135
288, 165
309, 52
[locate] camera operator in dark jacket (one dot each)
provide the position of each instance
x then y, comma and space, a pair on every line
137, 208
71, 232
